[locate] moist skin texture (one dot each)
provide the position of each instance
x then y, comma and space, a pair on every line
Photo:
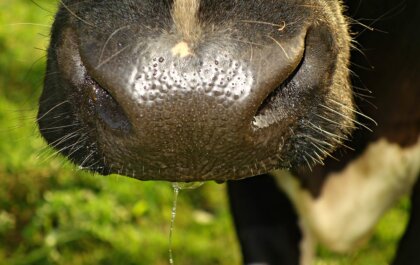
197, 90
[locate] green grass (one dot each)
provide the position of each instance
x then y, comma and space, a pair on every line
52, 213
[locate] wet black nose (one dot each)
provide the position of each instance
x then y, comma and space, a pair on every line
200, 90
190, 107
170, 109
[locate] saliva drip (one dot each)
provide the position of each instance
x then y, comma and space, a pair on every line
173, 215
187, 185
177, 187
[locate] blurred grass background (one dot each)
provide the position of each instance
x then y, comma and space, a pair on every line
52, 213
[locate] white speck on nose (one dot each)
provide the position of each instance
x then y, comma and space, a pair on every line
181, 49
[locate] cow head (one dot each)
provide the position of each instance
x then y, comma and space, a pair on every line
189, 90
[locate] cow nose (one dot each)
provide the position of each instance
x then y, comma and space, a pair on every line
177, 111
192, 92
171, 82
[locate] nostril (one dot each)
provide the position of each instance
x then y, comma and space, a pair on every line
304, 85
268, 112
106, 108
265, 113
94, 102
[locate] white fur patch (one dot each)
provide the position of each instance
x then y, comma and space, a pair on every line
353, 200
181, 49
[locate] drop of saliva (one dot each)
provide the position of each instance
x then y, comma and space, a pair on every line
177, 187
173, 215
